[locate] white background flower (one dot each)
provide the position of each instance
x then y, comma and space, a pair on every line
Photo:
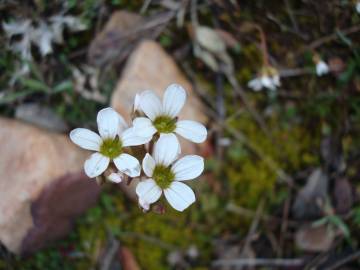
179, 195
264, 81
321, 68
162, 117
114, 135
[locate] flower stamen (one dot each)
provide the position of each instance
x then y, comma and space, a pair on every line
165, 124
111, 148
163, 176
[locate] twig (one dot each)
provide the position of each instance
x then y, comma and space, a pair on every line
286, 28
346, 260
258, 262
284, 224
238, 90
293, 72
313, 264
220, 107
334, 36
291, 16
145, 6
250, 214
193, 14
110, 254
253, 227
150, 239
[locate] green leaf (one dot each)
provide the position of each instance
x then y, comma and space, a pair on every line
35, 71
338, 222
320, 222
346, 76
15, 96
34, 85
63, 86
344, 38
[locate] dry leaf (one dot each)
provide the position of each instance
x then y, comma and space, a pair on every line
307, 201
343, 196
315, 238
209, 39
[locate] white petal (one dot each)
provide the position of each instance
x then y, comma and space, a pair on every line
174, 99
321, 68
179, 195
191, 130
267, 82
128, 165
276, 80
255, 84
109, 123
143, 127
166, 149
96, 165
150, 104
137, 102
116, 177
86, 139
188, 167
148, 165
144, 204
130, 138
148, 191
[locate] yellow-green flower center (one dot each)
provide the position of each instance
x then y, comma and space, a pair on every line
163, 176
165, 124
111, 148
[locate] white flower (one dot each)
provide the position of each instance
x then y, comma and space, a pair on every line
166, 175
321, 68
114, 135
116, 177
269, 78
162, 117
255, 84
357, 7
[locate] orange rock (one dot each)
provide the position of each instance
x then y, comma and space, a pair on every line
42, 186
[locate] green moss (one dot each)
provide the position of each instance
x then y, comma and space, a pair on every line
249, 175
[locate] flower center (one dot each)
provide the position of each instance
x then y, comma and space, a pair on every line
111, 148
165, 124
163, 176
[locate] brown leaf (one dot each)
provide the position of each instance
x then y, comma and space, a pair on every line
114, 38
128, 261
314, 238
336, 65
307, 201
122, 33
343, 196
228, 38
